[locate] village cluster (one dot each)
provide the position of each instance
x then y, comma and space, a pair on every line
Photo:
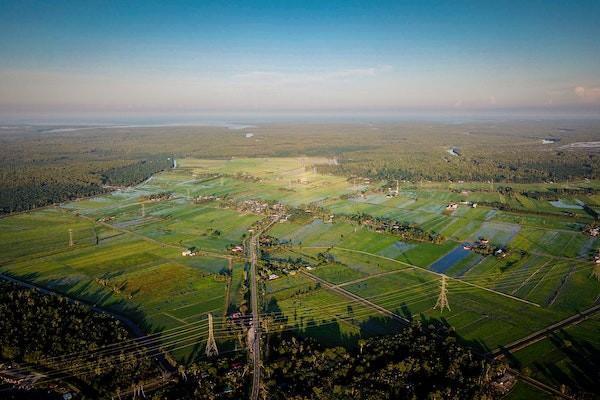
483, 246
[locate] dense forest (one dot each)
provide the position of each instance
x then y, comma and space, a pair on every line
42, 165
36, 328
39, 184
417, 363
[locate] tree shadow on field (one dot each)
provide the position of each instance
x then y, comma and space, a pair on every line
477, 346
583, 362
99, 299
83, 293
273, 307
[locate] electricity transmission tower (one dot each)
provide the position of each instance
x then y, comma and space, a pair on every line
211, 345
70, 237
442, 301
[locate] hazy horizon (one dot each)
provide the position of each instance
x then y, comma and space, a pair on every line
149, 120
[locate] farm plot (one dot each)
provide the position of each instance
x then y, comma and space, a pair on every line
313, 233
523, 391
121, 272
455, 256
554, 242
475, 314
499, 234
353, 266
42, 233
569, 356
322, 314
205, 228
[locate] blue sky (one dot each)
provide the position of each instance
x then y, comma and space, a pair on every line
335, 56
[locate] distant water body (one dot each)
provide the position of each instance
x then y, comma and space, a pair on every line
81, 127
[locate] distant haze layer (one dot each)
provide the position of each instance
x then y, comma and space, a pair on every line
108, 58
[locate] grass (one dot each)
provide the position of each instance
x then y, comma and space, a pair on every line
524, 391
569, 356
140, 253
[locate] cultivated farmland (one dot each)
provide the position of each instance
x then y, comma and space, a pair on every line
330, 270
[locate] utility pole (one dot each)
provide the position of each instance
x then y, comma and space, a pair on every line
143, 210
442, 301
211, 345
70, 237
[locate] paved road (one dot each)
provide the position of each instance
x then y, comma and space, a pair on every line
255, 318
253, 250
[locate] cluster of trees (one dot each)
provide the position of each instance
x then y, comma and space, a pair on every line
136, 172
225, 377
36, 327
40, 192
157, 196
281, 264
416, 363
39, 184
403, 229
556, 193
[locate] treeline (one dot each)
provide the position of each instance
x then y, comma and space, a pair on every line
38, 186
36, 327
553, 194
480, 167
417, 363
137, 172
404, 230
26, 196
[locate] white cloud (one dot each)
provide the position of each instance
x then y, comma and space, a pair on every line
580, 91
588, 93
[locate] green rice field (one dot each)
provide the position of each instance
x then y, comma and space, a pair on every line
126, 256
